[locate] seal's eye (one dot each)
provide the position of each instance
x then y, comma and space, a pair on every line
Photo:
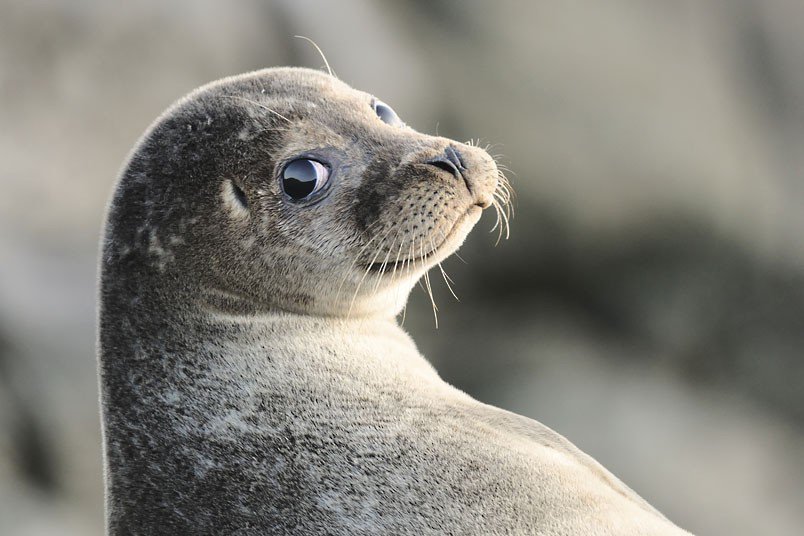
303, 177
386, 113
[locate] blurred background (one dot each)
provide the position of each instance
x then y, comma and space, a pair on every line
649, 304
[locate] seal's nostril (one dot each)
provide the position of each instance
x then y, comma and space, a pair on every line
455, 157
446, 165
450, 160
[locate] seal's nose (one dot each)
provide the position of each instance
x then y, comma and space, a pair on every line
451, 161
474, 167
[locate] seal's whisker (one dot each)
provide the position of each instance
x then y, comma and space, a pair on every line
504, 216
500, 202
424, 282
446, 277
496, 206
413, 258
368, 269
260, 105
429, 289
411, 262
420, 281
501, 221
455, 253
503, 200
497, 216
505, 168
504, 186
329, 69
388, 249
360, 283
499, 224
503, 182
381, 272
503, 196
428, 285
432, 299
448, 280
393, 274
396, 262
356, 259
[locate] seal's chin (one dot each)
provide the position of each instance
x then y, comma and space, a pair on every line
453, 240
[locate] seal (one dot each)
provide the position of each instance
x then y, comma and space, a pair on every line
262, 237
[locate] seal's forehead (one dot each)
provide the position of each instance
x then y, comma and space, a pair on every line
281, 95
303, 77
298, 82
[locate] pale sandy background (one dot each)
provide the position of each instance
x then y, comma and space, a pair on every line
649, 304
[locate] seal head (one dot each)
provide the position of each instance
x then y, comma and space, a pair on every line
286, 189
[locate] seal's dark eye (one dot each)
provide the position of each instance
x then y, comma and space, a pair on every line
303, 177
386, 113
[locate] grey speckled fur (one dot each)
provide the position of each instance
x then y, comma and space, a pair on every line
254, 379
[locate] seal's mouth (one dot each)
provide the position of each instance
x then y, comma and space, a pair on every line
446, 247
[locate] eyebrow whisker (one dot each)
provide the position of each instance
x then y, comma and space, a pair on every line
329, 69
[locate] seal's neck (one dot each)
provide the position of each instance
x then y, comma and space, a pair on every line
381, 304
180, 373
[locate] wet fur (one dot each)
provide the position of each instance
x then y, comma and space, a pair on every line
253, 377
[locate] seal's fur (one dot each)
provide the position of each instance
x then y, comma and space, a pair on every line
254, 379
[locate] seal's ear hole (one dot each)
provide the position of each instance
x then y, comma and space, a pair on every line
240, 196
235, 199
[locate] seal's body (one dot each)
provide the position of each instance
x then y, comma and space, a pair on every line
260, 242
